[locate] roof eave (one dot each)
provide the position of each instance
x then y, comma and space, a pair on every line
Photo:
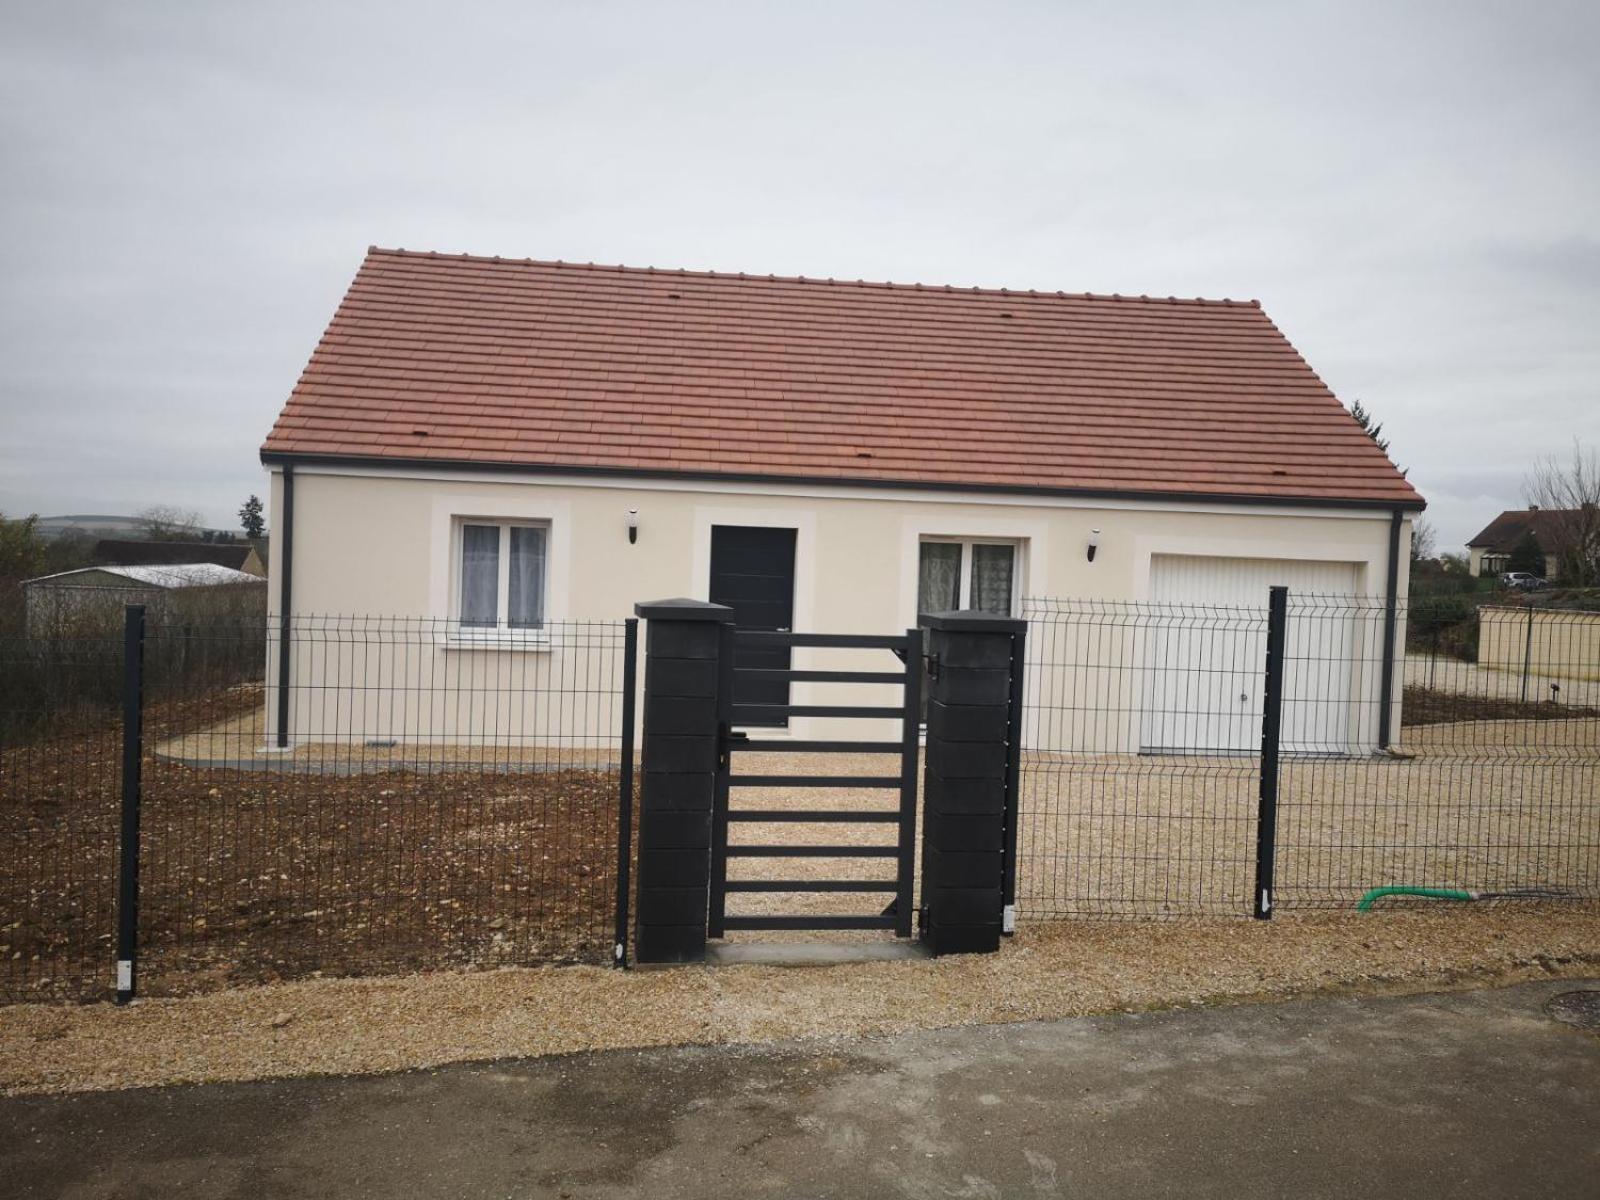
277, 457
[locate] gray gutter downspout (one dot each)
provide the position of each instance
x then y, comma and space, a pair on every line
1390, 615
285, 600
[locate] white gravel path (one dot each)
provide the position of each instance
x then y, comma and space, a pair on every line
1445, 674
364, 1026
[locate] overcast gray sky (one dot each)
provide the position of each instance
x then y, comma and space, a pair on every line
1412, 191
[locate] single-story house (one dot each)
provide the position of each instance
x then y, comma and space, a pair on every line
237, 556
93, 598
504, 444
1489, 551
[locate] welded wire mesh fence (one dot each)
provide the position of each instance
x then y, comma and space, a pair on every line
1438, 746
1116, 816
1485, 776
420, 795
416, 796
59, 784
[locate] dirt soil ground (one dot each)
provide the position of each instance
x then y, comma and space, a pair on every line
257, 876
487, 858
360, 1026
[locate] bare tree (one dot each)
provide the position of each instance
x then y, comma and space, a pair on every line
1567, 491
169, 523
1423, 539
22, 548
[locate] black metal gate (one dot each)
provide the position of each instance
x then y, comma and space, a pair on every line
907, 647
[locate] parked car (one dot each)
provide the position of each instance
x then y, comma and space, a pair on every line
1523, 581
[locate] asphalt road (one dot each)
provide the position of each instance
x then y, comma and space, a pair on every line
1466, 1094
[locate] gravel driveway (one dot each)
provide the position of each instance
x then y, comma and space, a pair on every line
1050, 969
1479, 805
1446, 674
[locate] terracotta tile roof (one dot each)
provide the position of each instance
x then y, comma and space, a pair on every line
447, 358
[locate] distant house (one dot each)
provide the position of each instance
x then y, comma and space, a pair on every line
237, 556
1490, 551
92, 599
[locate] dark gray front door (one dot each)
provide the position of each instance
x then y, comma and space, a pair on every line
752, 572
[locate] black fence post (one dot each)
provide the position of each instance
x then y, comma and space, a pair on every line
969, 801
132, 769
1271, 730
1008, 880
1391, 617
682, 683
910, 750
285, 605
717, 914
630, 686
1527, 652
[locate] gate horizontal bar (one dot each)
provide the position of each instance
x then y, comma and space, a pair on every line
815, 781
860, 641
823, 747
811, 885
813, 851
869, 817
815, 922
756, 712
786, 675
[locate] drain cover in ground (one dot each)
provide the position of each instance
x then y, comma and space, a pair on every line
1576, 1008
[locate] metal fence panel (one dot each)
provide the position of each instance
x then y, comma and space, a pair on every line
441, 801
1116, 816
60, 752
1455, 769
1491, 779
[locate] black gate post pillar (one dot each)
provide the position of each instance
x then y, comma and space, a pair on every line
683, 640
970, 780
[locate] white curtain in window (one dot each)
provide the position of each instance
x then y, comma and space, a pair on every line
992, 570
480, 574
939, 577
525, 608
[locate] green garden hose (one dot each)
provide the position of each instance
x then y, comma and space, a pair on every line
1378, 893
1520, 893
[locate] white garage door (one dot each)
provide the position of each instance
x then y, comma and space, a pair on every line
1205, 652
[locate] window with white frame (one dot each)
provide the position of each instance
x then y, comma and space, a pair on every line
971, 573
502, 567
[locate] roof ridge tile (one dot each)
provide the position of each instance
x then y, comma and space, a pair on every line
374, 250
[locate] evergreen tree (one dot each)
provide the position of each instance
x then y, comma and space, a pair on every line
250, 518
1373, 429
1527, 556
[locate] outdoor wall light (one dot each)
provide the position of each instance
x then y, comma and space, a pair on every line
633, 526
1094, 543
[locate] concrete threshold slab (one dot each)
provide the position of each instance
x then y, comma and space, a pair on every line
812, 954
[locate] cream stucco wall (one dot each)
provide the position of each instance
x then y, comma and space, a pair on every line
1552, 644
368, 541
